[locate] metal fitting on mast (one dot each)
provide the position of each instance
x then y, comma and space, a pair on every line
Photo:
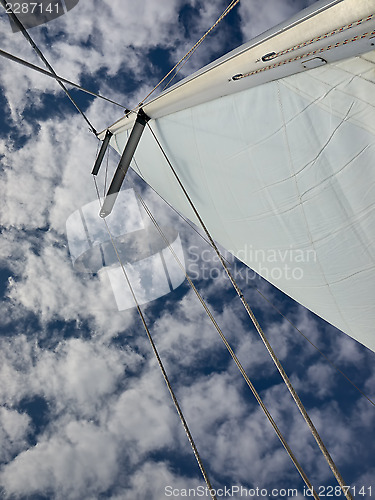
124, 163
101, 154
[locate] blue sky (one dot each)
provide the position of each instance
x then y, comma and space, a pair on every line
84, 410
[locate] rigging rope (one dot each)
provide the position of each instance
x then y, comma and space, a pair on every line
317, 348
161, 366
231, 352
18, 60
172, 207
18, 23
184, 59
226, 343
260, 293
276, 361
272, 56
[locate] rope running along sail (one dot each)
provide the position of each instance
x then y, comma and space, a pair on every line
184, 59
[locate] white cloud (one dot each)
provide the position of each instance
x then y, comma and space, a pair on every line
79, 461
16, 363
318, 379
14, 427
257, 17
80, 374
109, 412
143, 417
155, 480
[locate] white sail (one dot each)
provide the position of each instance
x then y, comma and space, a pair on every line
280, 163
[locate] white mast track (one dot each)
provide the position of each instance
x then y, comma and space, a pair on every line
339, 20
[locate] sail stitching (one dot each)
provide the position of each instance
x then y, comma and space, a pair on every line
328, 283
276, 361
302, 207
161, 366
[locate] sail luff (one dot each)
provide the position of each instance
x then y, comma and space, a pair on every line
273, 169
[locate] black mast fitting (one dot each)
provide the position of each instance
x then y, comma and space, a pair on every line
101, 154
124, 163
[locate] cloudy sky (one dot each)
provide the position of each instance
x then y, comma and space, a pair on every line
85, 413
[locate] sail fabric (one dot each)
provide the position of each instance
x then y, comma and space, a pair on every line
283, 176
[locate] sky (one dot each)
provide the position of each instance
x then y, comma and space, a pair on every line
85, 413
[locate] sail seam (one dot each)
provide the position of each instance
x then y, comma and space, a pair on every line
302, 206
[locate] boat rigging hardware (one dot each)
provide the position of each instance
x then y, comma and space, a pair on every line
269, 56
101, 154
124, 163
313, 52
18, 60
315, 62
